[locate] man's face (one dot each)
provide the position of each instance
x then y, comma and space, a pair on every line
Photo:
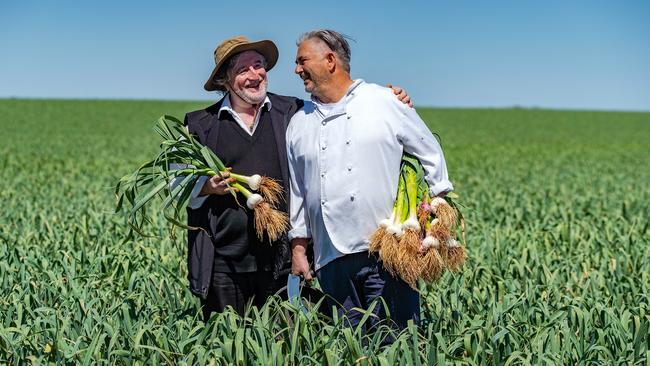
312, 64
248, 77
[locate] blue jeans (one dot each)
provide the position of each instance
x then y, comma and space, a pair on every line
355, 280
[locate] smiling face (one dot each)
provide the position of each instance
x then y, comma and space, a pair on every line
247, 77
313, 64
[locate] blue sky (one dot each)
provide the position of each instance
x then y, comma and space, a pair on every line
454, 53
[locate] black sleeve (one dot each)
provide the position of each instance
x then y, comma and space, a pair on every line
296, 104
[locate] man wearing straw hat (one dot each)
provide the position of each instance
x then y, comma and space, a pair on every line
228, 265
344, 150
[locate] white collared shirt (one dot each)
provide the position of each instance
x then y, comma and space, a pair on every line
344, 166
226, 106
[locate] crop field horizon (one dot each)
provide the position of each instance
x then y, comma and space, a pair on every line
557, 207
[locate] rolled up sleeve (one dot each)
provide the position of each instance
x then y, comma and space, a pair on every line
418, 141
196, 201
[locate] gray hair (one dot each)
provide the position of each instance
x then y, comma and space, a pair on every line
336, 41
224, 75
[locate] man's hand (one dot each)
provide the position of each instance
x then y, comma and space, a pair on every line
216, 185
401, 95
299, 262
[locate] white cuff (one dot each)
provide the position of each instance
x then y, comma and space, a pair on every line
299, 233
444, 186
195, 200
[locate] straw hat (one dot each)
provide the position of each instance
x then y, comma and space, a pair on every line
237, 45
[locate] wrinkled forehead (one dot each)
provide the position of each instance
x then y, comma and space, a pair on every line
315, 45
311, 47
246, 58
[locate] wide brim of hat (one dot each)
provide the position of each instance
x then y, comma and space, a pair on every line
266, 48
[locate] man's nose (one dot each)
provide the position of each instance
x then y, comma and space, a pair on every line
252, 73
298, 69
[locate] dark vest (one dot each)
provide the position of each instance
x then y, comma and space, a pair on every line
237, 248
227, 242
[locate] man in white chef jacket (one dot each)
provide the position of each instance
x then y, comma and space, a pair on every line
344, 149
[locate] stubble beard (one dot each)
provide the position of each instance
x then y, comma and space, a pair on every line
312, 86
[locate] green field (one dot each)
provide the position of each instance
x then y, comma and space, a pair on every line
557, 209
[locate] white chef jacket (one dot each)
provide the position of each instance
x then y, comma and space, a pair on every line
344, 165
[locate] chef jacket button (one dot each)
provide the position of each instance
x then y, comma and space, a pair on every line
349, 116
347, 142
324, 123
322, 202
352, 198
349, 168
322, 175
324, 147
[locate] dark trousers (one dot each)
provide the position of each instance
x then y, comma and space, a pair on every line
356, 280
238, 290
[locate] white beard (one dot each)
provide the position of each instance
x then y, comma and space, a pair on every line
253, 98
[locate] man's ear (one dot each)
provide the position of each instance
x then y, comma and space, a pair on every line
228, 85
331, 61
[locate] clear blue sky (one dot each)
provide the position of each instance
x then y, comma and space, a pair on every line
556, 54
